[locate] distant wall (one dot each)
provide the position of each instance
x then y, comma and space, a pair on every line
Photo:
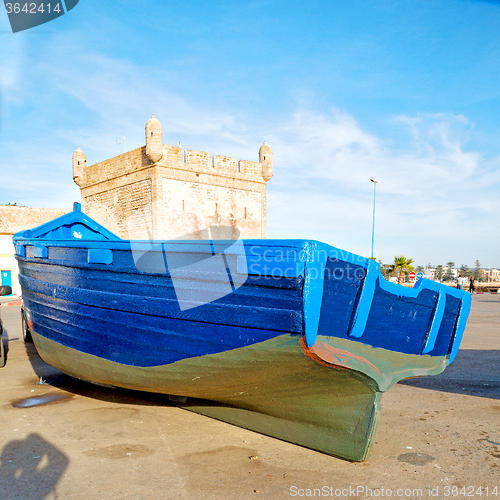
12, 220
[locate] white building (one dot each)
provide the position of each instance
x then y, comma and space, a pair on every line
429, 273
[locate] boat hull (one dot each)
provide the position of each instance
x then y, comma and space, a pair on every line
291, 338
270, 387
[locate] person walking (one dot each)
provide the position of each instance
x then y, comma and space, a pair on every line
472, 285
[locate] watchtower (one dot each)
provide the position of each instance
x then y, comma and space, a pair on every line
160, 192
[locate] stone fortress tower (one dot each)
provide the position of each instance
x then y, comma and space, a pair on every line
154, 193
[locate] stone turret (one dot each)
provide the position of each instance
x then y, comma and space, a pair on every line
154, 139
266, 159
79, 163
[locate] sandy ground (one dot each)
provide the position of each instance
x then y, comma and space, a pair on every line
439, 437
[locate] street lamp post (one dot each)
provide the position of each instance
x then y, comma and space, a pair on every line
373, 225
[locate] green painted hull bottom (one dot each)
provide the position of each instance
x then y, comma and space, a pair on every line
270, 387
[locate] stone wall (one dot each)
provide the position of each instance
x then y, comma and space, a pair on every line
189, 206
12, 220
114, 207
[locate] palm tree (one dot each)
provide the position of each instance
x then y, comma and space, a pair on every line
477, 270
439, 272
403, 264
449, 272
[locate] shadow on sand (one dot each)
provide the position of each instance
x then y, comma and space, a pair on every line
473, 373
31, 468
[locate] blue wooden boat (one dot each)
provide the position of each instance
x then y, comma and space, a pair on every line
291, 338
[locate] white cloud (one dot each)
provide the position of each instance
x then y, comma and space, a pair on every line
122, 97
436, 200
434, 197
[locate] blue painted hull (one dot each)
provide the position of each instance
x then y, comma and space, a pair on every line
135, 314
118, 313
132, 318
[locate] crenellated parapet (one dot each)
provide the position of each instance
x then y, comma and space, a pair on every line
197, 159
119, 166
251, 169
164, 155
172, 155
225, 164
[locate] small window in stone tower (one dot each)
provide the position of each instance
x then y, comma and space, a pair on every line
78, 163
264, 157
151, 134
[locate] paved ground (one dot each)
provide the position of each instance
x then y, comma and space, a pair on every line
437, 436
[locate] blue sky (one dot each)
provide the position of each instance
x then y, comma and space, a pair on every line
405, 91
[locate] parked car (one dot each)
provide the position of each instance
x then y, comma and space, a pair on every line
26, 331
4, 290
